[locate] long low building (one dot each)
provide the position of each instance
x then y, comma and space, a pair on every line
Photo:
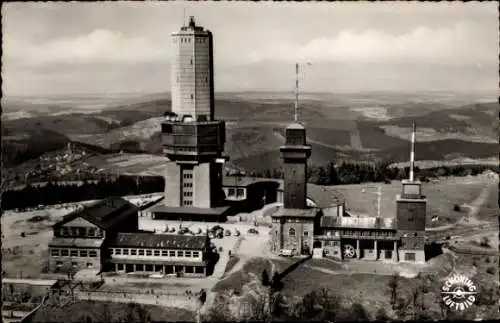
159, 253
105, 237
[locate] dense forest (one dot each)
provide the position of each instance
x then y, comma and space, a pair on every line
53, 193
351, 173
346, 173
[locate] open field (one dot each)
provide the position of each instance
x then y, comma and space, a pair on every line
132, 122
441, 197
137, 164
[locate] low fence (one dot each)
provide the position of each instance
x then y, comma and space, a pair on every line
29, 316
179, 300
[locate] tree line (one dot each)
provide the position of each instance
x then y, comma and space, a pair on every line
53, 193
356, 173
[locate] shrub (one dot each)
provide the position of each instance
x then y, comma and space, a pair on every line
265, 278
490, 270
457, 208
485, 242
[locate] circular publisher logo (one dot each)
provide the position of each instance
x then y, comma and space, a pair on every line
459, 292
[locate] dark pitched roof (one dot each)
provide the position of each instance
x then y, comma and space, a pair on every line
160, 241
103, 213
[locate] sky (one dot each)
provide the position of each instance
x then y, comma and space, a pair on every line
125, 47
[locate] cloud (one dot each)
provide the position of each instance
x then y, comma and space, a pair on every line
98, 46
461, 43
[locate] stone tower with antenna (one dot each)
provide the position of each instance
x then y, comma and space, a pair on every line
411, 215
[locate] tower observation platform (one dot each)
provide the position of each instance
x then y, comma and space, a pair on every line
191, 137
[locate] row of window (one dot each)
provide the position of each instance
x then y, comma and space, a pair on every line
198, 40
56, 252
365, 233
291, 232
79, 232
236, 192
187, 184
187, 174
187, 194
157, 253
167, 269
187, 202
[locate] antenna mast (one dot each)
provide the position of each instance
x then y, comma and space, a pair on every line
412, 152
296, 111
379, 194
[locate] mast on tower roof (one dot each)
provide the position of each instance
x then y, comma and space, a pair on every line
412, 152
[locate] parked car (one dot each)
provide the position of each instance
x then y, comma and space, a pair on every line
237, 233
227, 233
286, 252
253, 231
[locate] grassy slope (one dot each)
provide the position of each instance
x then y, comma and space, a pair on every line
108, 312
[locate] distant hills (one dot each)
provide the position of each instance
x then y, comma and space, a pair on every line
352, 128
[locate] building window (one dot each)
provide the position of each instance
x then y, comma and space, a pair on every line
133, 252
54, 252
149, 252
187, 184
139, 267
64, 232
157, 253
93, 253
164, 253
149, 268
180, 253
187, 203
410, 256
83, 253
191, 62
82, 232
196, 254
187, 194
171, 253
187, 175
91, 232
306, 233
232, 192
239, 192
192, 97
291, 232
125, 252
187, 254
74, 232
118, 251
141, 252
74, 253
64, 252
120, 267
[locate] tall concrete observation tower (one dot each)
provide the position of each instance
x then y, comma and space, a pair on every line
192, 139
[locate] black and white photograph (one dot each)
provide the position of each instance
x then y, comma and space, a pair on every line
236, 161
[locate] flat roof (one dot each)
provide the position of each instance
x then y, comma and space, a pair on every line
162, 208
242, 181
159, 241
306, 213
323, 197
76, 242
36, 282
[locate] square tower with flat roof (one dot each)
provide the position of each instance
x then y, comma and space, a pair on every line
192, 138
293, 225
411, 213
